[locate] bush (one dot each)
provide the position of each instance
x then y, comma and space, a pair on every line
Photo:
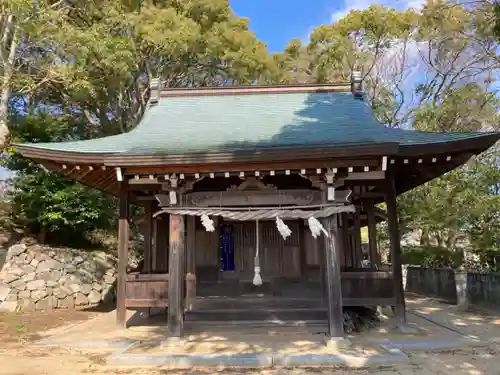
432, 257
60, 211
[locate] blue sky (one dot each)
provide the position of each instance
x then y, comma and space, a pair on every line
276, 22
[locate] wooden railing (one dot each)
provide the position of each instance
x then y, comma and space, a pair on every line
359, 288
146, 290
151, 290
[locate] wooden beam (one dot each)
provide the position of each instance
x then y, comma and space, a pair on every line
123, 238
333, 279
175, 322
260, 196
373, 175
395, 239
372, 234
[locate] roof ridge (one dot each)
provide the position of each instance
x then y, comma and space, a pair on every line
279, 85
253, 89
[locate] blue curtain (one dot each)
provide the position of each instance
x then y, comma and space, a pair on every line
226, 248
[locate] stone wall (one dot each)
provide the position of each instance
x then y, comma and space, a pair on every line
437, 283
39, 278
480, 289
483, 288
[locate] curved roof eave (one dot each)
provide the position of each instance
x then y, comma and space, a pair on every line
475, 143
238, 156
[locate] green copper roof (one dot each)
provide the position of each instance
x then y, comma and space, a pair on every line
181, 125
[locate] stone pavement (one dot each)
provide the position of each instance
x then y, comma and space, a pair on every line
440, 329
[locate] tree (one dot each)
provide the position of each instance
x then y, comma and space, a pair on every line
431, 70
47, 204
375, 42
95, 58
86, 74
17, 19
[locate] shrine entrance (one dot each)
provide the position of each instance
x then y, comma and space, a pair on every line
232, 246
279, 258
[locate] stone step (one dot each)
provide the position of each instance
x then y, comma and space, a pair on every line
237, 325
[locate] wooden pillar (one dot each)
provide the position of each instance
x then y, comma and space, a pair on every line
333, 279
148, 237
333, 282
397, 275
154, 245
176, 277
321, 246
190, 244
340, 241
346, 250
123, 238
372, 234
316, 250
190, 262
357, 237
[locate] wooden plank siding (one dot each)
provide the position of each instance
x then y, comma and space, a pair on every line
207, 257
146, 290
278, 257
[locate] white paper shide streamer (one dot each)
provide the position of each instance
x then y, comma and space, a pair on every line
207, 223
283, 228
316, 227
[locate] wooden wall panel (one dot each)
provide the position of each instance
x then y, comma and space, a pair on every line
160, 249
207, 248
244, 244
278, 258
312, 246
290, 251
270, 241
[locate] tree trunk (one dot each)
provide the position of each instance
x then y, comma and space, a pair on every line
7, 57
424, 238
4, 109
451, 241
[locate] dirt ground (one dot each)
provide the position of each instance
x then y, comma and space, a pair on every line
19, 354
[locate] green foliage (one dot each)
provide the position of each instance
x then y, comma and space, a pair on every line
48, 204
432, 257
464, 202
464, 108
60, 209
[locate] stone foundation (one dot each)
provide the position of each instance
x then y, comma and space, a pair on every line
41, 278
